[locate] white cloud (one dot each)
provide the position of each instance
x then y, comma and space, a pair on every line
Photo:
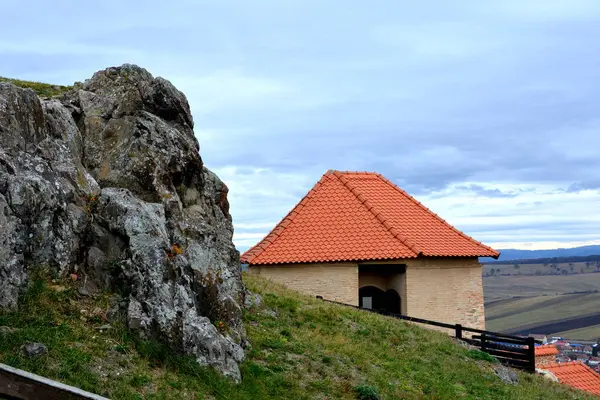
227, 89
259, 198
537, 213
502, 95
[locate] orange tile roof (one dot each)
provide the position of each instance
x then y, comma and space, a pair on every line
576, 374
359, 216
546, 350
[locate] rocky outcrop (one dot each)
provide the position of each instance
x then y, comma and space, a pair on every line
107, 182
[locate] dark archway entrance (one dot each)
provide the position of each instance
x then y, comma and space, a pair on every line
374, 298
392, 301
371, 297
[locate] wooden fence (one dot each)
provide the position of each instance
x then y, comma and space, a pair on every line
16, 384
515, 351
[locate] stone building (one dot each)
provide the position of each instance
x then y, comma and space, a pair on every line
545, 354
359, 239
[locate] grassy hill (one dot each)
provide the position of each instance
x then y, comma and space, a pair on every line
302, 348
42, 89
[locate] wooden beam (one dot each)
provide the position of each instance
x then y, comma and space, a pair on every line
23, 385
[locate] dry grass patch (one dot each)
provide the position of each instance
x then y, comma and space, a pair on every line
42, 89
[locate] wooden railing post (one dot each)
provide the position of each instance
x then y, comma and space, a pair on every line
531, 353
458, 331
483, 347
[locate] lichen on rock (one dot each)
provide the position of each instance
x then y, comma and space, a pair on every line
107, 180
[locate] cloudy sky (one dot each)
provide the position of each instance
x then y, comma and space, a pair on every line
488, 112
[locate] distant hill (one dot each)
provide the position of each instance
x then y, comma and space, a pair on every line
514, 254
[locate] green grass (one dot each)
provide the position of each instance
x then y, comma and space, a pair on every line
308, 349
42, 89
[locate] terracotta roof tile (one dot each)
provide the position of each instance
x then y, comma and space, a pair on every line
357, 216
577, 375
546, 350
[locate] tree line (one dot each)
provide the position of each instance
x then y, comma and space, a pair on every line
551, 260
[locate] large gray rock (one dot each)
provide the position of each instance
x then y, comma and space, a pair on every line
34, 349
107, 181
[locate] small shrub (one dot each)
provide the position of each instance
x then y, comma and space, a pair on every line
140, 380
363, 332
121, 349
480, 355
366, 392
273, 343
286, 333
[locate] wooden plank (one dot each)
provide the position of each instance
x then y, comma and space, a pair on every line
425, 321
23, 385
497, 334
498, 346
506, 354
515, 363
491, 338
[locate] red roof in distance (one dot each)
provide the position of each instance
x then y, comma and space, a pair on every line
546, 350
576, 374
360, 216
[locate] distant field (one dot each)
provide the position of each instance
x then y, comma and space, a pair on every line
504, 287
540, 269
543, 307
575, 316
590, 332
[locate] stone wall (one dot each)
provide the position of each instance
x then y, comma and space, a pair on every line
540, 361
447, 290
338, 282
398, 283
373, 279
441, 289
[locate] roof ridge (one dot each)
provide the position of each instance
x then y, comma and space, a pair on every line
564, 364
256, 250
334, 171
378, 215
442, 220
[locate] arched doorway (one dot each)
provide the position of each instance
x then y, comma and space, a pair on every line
371, 297
392, 302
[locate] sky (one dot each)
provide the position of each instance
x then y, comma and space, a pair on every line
487, 112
